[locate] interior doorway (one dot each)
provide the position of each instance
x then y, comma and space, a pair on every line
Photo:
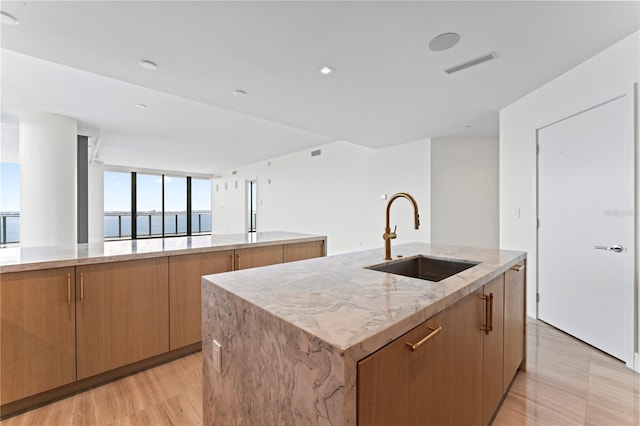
251, 205
586, 226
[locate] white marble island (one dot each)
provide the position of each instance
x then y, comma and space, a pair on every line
291, 335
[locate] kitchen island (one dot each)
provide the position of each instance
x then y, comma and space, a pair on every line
322, 341
77, 316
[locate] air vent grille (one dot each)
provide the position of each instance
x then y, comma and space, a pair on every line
473, 62
316, 153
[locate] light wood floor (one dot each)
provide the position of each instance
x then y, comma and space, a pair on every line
567, 383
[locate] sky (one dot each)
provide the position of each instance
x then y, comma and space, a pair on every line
117, 191
9, 187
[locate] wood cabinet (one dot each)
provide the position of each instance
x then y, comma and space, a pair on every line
37, 339
185, 273
460, 375
258, 256
301, 251
439, 383
122, 313
492, 348
514, 322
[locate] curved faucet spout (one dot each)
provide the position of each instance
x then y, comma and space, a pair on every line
388, 235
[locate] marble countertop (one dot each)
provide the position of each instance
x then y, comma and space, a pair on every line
356, 309
15, 259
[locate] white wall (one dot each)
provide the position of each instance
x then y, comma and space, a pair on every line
464, 192
599, 78
335, 194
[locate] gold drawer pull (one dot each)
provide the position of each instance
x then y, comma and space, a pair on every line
434, 331
518, 268
81, 287
68, 289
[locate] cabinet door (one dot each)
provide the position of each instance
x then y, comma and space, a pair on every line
301, 251
514, 322
122, 313
258, 256
185, 273
492, 349
439, 383
37, 335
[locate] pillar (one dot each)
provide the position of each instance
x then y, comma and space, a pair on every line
48, 151
96, 202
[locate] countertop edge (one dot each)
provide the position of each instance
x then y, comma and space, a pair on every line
62, 263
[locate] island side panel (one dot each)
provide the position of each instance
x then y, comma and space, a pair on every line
271, 371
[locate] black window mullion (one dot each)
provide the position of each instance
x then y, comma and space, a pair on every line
134, 208
189, 210
162, 218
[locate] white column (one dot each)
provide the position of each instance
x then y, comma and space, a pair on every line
48, 151
96, 202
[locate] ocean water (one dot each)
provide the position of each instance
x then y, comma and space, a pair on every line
118, 225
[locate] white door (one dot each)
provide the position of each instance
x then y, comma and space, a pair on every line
586, 229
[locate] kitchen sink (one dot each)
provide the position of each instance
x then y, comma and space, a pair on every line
425, 268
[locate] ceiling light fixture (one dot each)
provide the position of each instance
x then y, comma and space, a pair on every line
239, 92
9, 19
143, 106
471, 63
148, 65
444, 41
326, 70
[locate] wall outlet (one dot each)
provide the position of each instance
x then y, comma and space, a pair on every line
216, 355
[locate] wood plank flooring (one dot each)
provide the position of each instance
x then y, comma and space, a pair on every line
567, 383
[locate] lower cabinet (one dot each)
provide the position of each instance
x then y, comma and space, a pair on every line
185, 273
514, 322
464, 360
301, 251
38, 338
440, 382
122, 313
258, 256
492, 348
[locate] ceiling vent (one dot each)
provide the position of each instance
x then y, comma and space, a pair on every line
473, 62
316, 153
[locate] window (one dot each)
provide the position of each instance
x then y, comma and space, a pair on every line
252, 205
201, 206
9, 203
163, 205
148, 205
175, 205
117, 205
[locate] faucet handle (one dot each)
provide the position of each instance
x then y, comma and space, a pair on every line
393, 234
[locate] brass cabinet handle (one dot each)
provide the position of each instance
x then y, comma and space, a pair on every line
490, 312
237, 265
517, 268
68, 289
434, 331
81, 287
485, 314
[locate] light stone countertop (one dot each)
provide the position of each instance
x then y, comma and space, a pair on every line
337, 299
15, 259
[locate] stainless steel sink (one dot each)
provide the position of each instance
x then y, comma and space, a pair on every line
424, 268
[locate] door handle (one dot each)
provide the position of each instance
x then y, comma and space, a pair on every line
617, 248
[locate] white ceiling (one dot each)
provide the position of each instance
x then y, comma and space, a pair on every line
80, 59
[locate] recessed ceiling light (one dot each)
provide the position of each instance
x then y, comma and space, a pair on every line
468, 126
9, 19
326, 70
148, 65
239, 92
444, 41
143, 106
